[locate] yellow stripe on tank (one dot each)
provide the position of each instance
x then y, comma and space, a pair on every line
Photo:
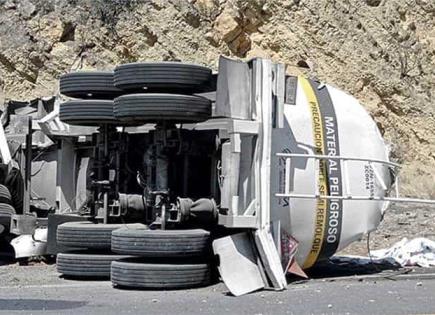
322, 204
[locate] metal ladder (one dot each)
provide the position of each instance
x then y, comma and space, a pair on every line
344, 161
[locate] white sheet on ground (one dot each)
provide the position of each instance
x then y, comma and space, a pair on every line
416, 252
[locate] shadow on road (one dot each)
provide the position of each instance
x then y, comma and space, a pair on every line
332, 269
336, 269
38, 305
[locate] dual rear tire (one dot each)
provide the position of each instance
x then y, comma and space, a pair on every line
136, 107
91, 242
164, 258
139, 257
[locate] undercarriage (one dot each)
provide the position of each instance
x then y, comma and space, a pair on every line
163, 178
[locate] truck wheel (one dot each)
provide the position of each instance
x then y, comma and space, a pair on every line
6, 211
86, 234
161, 243
173, 77
133, 273
5, 195
162, 107
15, 183
82, 264
87, 112
89, 84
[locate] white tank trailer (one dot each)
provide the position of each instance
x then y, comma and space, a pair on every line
324, 121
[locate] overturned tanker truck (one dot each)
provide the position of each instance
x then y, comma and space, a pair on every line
158, 174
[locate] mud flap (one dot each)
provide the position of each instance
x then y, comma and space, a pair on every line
238, 263
249, 262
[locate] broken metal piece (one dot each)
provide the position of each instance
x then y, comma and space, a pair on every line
31, 245
270, 258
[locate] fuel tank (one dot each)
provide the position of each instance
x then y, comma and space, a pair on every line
326, 204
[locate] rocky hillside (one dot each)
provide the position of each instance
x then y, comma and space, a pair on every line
381, 51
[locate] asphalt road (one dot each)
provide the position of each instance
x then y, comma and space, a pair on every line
312, 297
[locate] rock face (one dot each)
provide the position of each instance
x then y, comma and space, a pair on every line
383, 52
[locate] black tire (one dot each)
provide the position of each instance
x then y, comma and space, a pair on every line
87, 112
15, 183
89, 84
82, 264
6, 212
5, 195
132, 273
173, 77
162, 107
161, 243
86, 234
